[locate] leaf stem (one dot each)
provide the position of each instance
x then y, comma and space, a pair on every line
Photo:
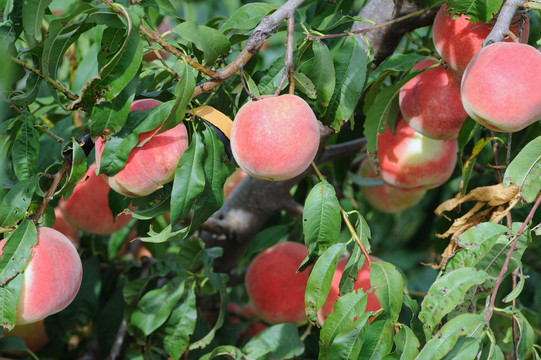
45, 129
50, 81
345, 217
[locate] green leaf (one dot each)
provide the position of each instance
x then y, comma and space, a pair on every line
319, 282
525, 170
30, 92
389, 288
323, 76
304, 85
350, 68
468, 165
14, 205
9, 299
407, 344
393, 64
33, 12
156, 306
445, 294
276, 342
247, 16
183, 94
526, 334
439, 345
112, 115
77, 170
223, 350
348, 316
474, 244
17, 251
26, 148
180, 326
466, 348
378, 340
476, 10
212, 42
321, 219
518, 288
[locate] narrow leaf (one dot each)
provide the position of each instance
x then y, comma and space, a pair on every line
212, 42
389, 288
26, 148
17, 251
322, 75
33, 12
9, 299
247, 16
525, 170
14, 205
280, 341
180, 326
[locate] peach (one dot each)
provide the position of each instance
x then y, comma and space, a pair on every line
245, 313
274, 286
430, 102
275, 138
70, 231
411, 160
164, 26
232, 181
362, 283
51, 279
501, 86
88, 206
151, 165
457, 40
34, 335
387, 198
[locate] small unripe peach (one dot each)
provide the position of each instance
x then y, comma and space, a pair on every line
275, 137
51, 279
501, 88
430, 102
457, 40
88, 206
387, 198
34, 336
151, 165
274, 286
411, 160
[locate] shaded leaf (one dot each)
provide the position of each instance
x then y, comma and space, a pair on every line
525, 170
33, 12
9, 299
212, 42
26, 148
276, 342
14, 205
322, 75
180, 326
247, 16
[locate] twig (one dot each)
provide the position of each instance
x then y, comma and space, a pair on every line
58, 86
374, 27
254, 42
516, 336
45, 129
345, 217
159, 56
52, 189
243, 82
505, 17
288, 62
508, 258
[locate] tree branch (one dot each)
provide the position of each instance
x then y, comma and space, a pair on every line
505, 17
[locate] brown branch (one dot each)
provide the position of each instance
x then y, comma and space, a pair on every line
254, 42
58, 86
503, 22
288, 62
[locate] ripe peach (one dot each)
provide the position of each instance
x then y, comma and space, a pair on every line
232, 181
274, 286
34, 335
164, 26
70, 231
275, 137
151, 165
387, 198
88, 207
51, 279
430, 102
411, 160
458, 40
362, 283
501, 86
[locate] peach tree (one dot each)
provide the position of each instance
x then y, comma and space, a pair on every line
460, 270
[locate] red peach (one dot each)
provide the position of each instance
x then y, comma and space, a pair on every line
430, 102
411, 160
151, 165
458, 40
275, 138
501, 88
70, 231
88, 207
232, 181
387, 198
362, 283
34, 335
274, 286
51, 279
